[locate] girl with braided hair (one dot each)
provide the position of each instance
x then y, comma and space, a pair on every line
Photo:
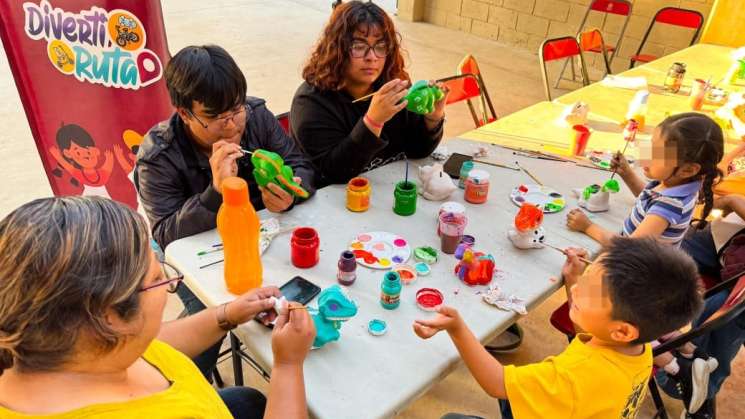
681, 165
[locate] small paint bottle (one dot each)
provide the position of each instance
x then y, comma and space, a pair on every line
465, 169
305, 247
358, 194
347, 273
477, 187
466, 242
390, 291
404, 198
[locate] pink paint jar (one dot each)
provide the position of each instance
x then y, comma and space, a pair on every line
305, 247
477, 187
452, 227
451, 207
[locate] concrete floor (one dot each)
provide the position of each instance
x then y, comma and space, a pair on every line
270, 39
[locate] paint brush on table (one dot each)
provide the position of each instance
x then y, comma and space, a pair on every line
504, 166
527, 172
564, 252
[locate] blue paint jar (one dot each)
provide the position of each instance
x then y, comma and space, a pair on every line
465, 169
390, 291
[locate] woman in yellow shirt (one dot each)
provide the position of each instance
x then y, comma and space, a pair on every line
81, 301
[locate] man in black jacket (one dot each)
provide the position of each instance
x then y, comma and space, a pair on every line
182, 161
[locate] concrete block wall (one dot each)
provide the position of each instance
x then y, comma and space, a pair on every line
526, 23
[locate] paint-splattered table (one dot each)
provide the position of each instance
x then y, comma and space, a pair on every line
535, 127
364, 376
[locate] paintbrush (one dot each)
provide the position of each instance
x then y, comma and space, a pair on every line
297, 308
535, 179
564, 252
360, 99
406, 176
246, 151
496, 164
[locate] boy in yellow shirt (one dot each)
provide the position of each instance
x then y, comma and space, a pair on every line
635, 291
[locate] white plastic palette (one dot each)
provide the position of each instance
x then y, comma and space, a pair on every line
380, 250
542, 196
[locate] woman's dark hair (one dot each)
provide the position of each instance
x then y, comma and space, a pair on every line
698, 139
325, 67
73, 133
205, 74
652, 285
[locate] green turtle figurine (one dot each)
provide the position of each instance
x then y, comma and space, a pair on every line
422, 97
270, 168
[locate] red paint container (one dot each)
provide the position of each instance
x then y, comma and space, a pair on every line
428, 299
304, 247
477, 186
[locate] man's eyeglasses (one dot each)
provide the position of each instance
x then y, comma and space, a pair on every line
221, 122
173, 279
360, 49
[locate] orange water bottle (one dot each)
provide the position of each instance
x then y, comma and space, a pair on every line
238, 226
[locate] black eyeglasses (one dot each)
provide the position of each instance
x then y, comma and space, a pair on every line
173, 279
221, 122
360, 49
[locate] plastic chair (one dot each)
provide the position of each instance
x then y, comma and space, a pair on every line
672, 16
284, 121
87, 118
468, 84
606, 7
557, 49
592, 41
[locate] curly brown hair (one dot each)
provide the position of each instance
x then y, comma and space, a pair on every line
325, 68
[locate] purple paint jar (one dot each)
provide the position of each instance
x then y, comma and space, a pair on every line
347, 268
466, 242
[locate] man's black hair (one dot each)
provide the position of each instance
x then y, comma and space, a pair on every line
652, 285
206, 74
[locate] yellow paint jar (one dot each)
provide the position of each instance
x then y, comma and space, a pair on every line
358, 194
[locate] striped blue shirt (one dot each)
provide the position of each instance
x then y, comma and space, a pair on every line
674, 204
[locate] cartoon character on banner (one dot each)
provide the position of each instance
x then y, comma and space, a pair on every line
128, 157
77, 154
528, 233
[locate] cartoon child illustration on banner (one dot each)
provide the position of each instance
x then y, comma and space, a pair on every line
76, 153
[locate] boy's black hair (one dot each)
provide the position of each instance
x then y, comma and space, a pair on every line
698, 139
73, 133
651, 285
206, 74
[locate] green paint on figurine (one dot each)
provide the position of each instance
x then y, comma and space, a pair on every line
270, 168
422, 97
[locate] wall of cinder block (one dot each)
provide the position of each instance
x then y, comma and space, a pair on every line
526, 23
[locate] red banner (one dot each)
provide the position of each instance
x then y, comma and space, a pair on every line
90, 76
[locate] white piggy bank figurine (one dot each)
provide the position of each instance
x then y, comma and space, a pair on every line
527, 232
436, 184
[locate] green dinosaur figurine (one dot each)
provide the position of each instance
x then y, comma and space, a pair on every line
335, 306
269, 167
422, 97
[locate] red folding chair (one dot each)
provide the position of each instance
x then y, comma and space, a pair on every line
284, 121
672, 16
468, 84
606, 7
565, 47
591, 41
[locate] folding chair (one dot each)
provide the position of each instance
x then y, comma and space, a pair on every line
606, 7
672, 16
733, 307
467, 85
284, 121
592, 41
557, 49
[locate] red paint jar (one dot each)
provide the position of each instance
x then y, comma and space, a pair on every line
477, 187
428, 299
305, 247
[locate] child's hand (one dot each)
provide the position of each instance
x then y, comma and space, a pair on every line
448, 319
577, 220
620, 165
574, 267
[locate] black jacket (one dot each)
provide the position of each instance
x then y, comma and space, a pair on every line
174, 179
329, 127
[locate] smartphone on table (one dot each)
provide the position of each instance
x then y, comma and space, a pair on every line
297, 289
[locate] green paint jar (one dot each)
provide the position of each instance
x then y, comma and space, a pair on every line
390, 291
465, 169
404, 198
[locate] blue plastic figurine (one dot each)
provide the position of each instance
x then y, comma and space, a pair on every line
335, 306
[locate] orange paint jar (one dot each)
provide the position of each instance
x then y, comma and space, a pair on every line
358, 194
477, 187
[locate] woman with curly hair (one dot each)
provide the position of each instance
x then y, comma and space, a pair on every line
359, 53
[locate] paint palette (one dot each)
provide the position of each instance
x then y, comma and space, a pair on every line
380, 250
542, 196
602, 158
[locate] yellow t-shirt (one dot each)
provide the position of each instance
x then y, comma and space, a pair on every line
189, 396
582, 382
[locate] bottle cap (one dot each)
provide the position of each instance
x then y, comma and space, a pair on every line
234, 191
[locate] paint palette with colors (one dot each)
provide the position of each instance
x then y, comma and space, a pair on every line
541, 196
380, 250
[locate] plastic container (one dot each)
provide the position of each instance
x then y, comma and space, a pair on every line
428, 299
675, 76
452, 227
465, 169
404, 198
358, 194
477, 186
390, 291
638, 108
238, 226
304, 247
580, 138
698, 93
452, 207
347, 273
